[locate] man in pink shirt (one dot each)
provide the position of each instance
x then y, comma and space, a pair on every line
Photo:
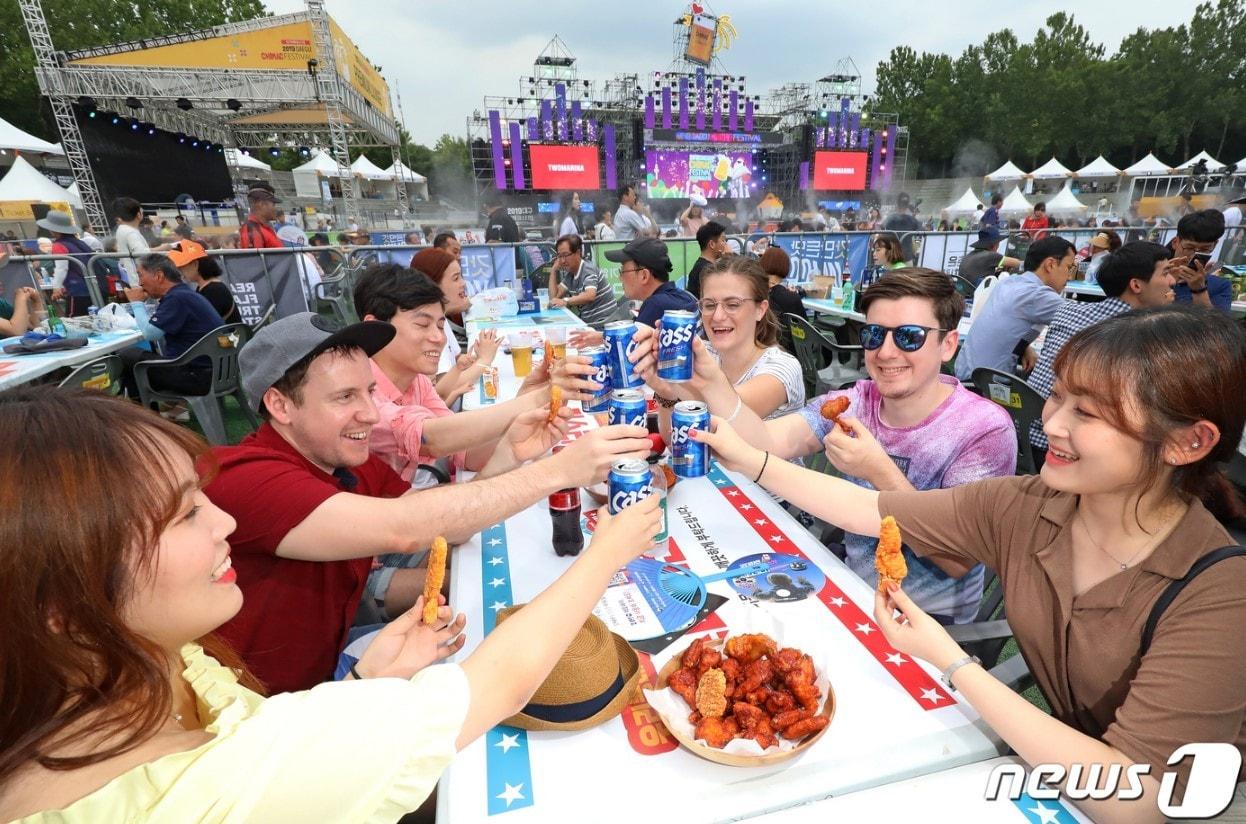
416, 426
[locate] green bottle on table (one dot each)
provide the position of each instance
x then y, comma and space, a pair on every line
55, 325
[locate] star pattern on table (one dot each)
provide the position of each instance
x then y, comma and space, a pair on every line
511, 794
761, 522
776, 539
508, 742
497, 582
495, 542
864, 629
837, 601
932, 696
746, 506
731, 493
720, 481
496, 560
896, 658
498, 606
1045, 815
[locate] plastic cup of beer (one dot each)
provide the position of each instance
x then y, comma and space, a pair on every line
556, 342
521, 354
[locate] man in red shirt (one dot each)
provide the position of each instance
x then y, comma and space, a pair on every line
256, 232
314, 507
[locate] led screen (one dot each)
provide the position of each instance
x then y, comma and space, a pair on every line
683, 174
843, 171
564, 167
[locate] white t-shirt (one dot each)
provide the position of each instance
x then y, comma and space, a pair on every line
785, 368
450, 354
132, 244
604, 232
568, 227
1233, 216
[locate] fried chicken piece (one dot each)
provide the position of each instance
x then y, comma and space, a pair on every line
692, 655
710, 659
756, 674
432, 581
785, 659
806, 694
694, 718
684, 682
748, 648
758, 697
779, 701
889, 557
671, 477
715, 732
763, 734
748, 716
805, 727
732, 672
833, 408
783, 720
710, 696
555, 403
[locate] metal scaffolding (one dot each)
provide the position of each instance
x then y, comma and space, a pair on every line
231, 107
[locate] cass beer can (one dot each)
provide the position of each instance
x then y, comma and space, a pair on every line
599, 359
679, 327
630, 482
619, 336
689, 459
628, 406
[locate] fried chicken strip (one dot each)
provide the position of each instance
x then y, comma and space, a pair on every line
432, 582
889, 557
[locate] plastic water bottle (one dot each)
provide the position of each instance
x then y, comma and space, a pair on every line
55, 325
849, 296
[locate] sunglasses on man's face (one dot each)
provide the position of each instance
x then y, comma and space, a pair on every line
908, 338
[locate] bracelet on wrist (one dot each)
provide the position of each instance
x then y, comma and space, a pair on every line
762, 471
956, 665
739, 404
1198, 291
665, 403
355, 673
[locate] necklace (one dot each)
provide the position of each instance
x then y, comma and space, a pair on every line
1160, 532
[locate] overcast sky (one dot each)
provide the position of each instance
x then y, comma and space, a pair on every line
444, 56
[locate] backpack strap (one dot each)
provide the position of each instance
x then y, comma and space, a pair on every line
1174, 589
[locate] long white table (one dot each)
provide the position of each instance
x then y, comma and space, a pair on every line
18, 369
947, 797
557, 316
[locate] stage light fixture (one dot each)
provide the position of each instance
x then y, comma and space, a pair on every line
116, 119
87, 104
135, 125
275, 152
181, 137
194, 144
233, 105
151, 129
134, 103
184, 104
304, 151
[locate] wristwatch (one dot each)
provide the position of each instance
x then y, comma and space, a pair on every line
1198, 291
956, 665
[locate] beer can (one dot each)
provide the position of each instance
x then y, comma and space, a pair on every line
679, 327
619, 336
630, 481
628, 406
689, 458
599, 359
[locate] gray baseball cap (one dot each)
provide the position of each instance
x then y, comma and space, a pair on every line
283, 343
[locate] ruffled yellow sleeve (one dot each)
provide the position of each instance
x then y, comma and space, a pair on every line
360, 751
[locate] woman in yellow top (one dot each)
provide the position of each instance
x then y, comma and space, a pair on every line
114, 711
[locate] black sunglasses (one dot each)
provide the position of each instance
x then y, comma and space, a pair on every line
908, 338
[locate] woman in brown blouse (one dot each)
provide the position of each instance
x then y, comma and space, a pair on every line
1144, 407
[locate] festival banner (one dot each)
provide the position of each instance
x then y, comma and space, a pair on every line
257, 283
825, 254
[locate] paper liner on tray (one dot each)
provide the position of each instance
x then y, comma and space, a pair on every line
674, 711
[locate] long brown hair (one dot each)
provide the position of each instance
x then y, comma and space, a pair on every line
1174, 366
767, 332
91, 483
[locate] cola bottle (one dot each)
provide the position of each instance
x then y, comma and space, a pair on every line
564, 512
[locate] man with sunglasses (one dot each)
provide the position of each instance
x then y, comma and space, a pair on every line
1019, 307
912, 428
579, 284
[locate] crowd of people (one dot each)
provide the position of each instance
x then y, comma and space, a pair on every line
145, 632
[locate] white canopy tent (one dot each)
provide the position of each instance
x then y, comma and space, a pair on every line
307, 177
966, 204
368, 170
25, 183
1015, 203
1213, 165
1149, 165
243, 161
1099, 167
15, 139
1065, 203
1008, 171
1050, 170
75, 198
416, 181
